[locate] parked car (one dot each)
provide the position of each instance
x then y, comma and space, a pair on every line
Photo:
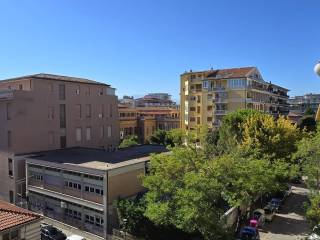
275, 203
260, 216
248, 233
315, 235
49, 232
75, 237
270, 212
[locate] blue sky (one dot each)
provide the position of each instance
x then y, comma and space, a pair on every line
142, 46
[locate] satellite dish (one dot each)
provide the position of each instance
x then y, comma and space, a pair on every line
317, 68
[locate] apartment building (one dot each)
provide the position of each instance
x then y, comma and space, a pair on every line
45, 112
207, 96
149, 100
299, 104
144, 121
78, 186
17, 223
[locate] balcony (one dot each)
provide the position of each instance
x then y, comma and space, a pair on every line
220, 112
220, 100
218, 89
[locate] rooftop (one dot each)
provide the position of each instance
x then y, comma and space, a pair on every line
55, 77
98, 158
11, 216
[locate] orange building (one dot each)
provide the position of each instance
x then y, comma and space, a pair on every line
144, 121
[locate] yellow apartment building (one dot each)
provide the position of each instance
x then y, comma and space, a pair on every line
207, 96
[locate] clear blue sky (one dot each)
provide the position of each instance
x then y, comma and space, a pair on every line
142, 46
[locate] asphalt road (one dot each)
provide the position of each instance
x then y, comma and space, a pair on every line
290, 223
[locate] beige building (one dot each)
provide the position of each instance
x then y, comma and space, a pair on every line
45, 112
207, 96
17, 223
144, 121
78, 186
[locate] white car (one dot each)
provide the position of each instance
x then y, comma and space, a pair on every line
75, 237
269, 213
315, 235
260, 216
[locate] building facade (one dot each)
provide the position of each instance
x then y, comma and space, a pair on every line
207, 96
18, 223
299, 104
79, 186
144, 121
45, 112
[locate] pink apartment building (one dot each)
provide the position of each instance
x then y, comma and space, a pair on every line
45, 112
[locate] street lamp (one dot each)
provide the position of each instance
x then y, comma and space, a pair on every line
317, 71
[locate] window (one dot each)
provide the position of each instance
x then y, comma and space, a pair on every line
88, 133
198, 120
50, 113
101, 131
198, 99
110, 110
9, 139
38, 177
50, 87
109, 131
62, 92
100, 91
192, 109
78, 90
20, 87
87, 92
88, 110
78, 111
10, 167
78, 134
11, 196
101, 111
8, 111
62, 116
95, 190
205, 84
237, 83
99, 221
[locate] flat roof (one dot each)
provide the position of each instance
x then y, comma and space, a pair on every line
99, 158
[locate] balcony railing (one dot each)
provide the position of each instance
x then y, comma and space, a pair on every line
220, 112
218, 89
220, 100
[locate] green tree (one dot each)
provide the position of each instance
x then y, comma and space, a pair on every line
171, 138
313, 211
308, 155
129, 141
309, 111
181, 194
308, 123
275, 138
158, 137
231, 130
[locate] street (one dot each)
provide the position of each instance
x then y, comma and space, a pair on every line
289, 224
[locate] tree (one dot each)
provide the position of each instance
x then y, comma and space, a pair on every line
308, 123
139, 225
275, 138
309, 111
158, 137
129, 141
308, 155
231, 130
181, 194
171, 138
313, 211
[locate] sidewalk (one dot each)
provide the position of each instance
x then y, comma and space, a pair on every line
69, 230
